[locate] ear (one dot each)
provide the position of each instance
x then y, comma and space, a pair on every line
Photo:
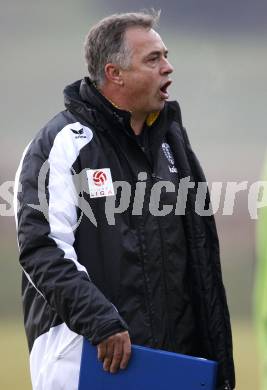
113, 74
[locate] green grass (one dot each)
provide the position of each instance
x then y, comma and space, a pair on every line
245, 356
14, 370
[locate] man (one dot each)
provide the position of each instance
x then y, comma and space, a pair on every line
92, 266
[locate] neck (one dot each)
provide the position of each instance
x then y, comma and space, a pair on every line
137, 119
114, 96
137, 122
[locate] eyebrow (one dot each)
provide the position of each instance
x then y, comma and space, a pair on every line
156, 52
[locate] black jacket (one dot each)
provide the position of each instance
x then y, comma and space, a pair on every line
100, 273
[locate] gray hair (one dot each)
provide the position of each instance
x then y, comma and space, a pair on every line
105, 41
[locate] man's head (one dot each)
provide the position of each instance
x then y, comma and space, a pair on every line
127, 60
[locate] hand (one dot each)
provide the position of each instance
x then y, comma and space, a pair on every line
115, 352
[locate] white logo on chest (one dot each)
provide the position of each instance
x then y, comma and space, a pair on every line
169, 156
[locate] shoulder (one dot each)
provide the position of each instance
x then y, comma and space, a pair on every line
62, 136
173, 108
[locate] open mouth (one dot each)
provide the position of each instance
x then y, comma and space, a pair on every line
163, 89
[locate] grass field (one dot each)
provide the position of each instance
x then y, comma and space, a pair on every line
14, 371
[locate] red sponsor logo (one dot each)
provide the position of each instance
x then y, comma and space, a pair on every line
99, 178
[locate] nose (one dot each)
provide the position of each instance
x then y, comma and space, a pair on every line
166, 67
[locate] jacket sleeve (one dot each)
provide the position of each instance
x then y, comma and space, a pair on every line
46, 205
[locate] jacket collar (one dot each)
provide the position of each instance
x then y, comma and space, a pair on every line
83, 99
90, 94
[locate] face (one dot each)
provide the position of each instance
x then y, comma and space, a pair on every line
146, 81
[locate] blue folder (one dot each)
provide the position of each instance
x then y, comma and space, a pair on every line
148, 369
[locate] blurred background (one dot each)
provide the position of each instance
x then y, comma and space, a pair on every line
218, 49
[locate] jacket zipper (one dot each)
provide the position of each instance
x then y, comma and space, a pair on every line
163, 263
146, 286
153, 177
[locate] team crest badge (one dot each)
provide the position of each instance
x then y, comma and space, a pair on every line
100, 182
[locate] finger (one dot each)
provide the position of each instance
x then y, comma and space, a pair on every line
117, 356
101, 351
126, 354
109, 355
